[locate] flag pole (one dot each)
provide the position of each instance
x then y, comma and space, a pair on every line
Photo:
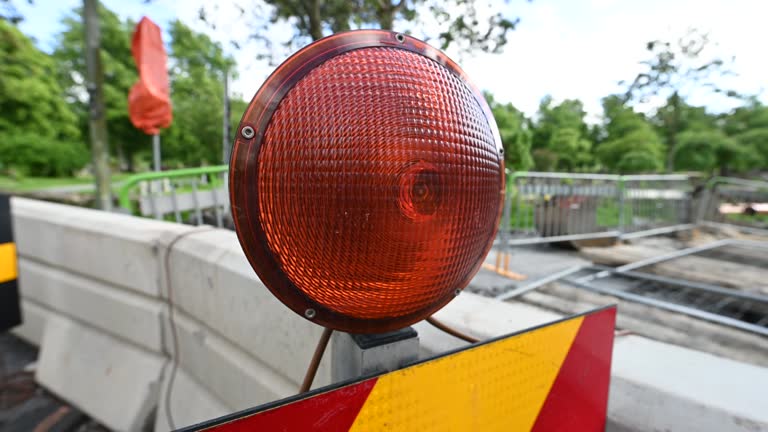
156, 151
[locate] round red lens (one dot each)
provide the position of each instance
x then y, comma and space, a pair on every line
372, 189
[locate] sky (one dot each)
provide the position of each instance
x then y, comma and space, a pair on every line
563, 48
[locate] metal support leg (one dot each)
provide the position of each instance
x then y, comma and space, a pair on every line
358, 355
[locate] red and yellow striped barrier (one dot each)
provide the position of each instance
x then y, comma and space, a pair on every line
10, 313
551, 378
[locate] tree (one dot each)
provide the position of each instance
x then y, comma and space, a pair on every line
561, 131
753, 115
630, 145
748, 126
38, 132
638, 151
465, 24
197, 67
119, 75
544, 159
9, 13
673, 71
567, 115
515, 135
574, 153
197, 73
704, 150
753, 146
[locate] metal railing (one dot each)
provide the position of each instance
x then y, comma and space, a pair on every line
547, 207
655, 204
543, 207
192, 195
540, 207
737, 203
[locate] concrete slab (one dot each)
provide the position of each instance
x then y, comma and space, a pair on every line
120, 312
114, 382
656, 386
213, 282
190, 403
33, 324
233, 376
534, 262
480, 317
117, 249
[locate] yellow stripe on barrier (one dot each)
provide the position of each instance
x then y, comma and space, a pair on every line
8, 268
429, 396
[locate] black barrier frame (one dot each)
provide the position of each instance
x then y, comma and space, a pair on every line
10, 307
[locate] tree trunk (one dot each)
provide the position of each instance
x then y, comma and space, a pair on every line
386, 18
315, 23
122, 162
386, 11
672, 129
97, 121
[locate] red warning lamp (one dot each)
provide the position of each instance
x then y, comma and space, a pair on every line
367, 181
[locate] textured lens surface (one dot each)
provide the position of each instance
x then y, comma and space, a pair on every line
379, 183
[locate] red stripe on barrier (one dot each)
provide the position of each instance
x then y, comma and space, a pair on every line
578, 400
332, 411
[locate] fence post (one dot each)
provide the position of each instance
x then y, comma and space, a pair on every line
706, 196
620, 191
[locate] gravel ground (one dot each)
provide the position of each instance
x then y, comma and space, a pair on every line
24, 406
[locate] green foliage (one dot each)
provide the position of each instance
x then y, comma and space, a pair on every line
672, 71
197, 67
637, 151
44, 111
631, 145
30, 97
515, 135
700, 150
119, 76
40, 155
753, 115
544, 159
574, 152
567, 115
197, 91
38, 133
463, 23
748, 125
754, 144
561, 137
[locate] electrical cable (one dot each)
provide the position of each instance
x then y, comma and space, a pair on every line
172, 322
451, 331
315, 363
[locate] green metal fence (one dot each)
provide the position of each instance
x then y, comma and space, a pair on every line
190, 195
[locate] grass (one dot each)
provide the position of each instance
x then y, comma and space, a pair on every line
743, 218
29, 184
606, 214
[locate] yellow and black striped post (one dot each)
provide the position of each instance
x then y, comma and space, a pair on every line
10, 312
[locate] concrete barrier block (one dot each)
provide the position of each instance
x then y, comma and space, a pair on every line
232, 375
114, 382
190, 402
656, 386
117, 311
118, 249
481, 317
213, 282
33, 322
